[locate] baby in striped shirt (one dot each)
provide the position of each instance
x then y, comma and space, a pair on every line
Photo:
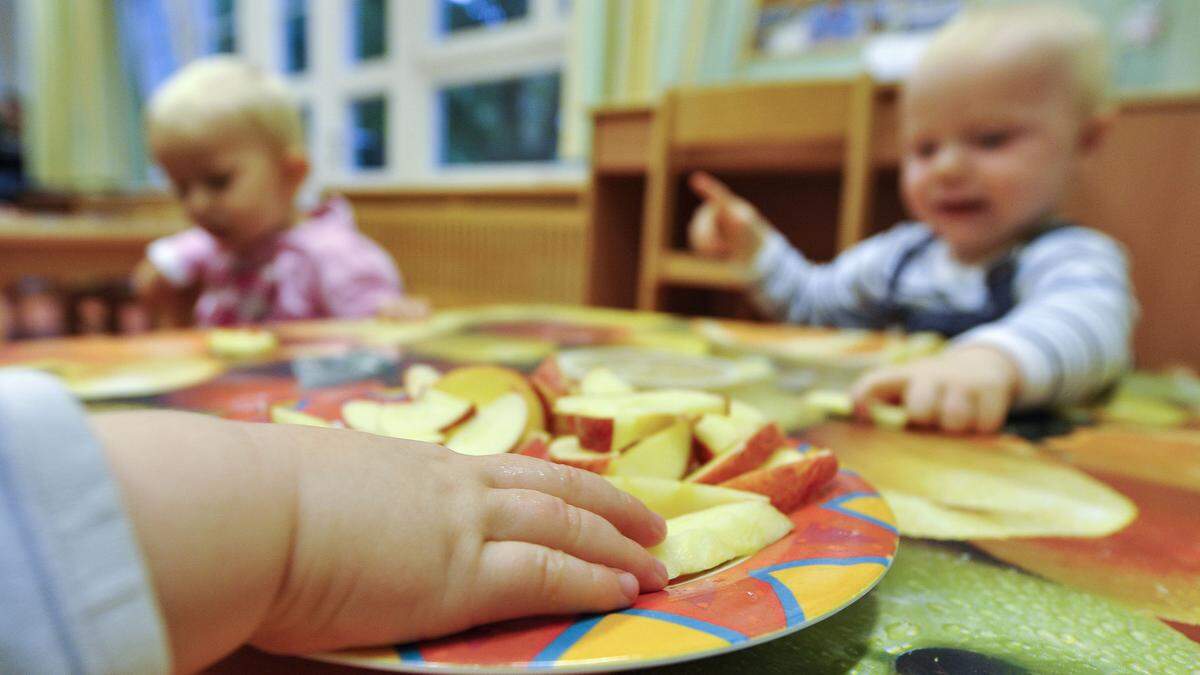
995, 121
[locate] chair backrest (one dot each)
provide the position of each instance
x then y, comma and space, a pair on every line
817, 125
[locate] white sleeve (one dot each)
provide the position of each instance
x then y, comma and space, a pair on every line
166, 259
75, 593
848, 292
1069, 333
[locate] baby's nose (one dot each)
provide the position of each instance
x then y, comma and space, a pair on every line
950, 162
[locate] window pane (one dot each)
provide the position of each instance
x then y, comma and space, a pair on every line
224, 36
514, 120
461, 14
369, 26
295, 36
368, 132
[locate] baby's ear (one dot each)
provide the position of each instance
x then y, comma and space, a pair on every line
1094, 129
295, 167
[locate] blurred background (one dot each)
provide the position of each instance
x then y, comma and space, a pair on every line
461, 130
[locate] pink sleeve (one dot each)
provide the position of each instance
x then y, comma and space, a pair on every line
357, 278
181, 257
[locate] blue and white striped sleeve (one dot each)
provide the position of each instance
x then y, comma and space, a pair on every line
848, 292
75, 593
1069, 333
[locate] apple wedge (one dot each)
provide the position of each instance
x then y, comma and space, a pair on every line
495, 429
435, 411
718, 434
483, 384
536, 444
241, 343
832, 403
671, 498
550, 384
704, 539
418, 379
616, 421
362, 415
567, 450
282, 414
664, 454
603, 381
747, 456
791, 484
839, 404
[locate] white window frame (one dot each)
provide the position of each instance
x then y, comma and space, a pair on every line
419, 62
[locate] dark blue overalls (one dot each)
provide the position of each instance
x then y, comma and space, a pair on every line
950, 322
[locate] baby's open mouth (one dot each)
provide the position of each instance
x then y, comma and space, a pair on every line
962, 207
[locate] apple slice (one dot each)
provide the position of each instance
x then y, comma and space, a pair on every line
419, 378
362, 415
435, 411
664, 454
241, 343
536, 444
839, 404
495, 429
567, 450
603, 381
671, 498
744, 412
747, 456
282, 414
616, 421
550, 384
784, 455
483, 384
832, 403
791, 484
718, 434
704, 539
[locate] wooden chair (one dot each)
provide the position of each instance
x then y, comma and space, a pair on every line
821, 126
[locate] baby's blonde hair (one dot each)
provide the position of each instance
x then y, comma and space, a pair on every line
1061, 33
221, 93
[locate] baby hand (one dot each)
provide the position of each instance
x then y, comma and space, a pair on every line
725, 225
398, 541
964, 389
405, 308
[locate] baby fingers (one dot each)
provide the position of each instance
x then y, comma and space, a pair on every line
538, 518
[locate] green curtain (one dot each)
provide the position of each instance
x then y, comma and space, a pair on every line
82, 124
626, 52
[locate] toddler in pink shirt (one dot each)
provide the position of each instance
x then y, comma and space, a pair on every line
229, 138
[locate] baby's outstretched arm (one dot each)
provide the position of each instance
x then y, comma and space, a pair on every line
298, 539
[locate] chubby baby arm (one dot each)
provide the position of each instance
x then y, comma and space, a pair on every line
966, 388
298, 539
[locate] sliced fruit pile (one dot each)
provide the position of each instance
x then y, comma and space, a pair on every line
718, 470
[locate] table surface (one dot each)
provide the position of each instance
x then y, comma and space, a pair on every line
947, 603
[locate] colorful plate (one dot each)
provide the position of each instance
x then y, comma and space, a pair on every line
841, 547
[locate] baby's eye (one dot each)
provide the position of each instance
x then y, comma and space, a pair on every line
217, 181
993, 140
925, 149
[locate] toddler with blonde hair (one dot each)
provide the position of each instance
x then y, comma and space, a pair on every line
229, 137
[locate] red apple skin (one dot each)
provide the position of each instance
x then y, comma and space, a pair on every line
550, 383
791, 485
536, 445
752, 453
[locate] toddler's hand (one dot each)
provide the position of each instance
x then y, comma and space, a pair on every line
398, 541
405, 308
963, 389
725, 225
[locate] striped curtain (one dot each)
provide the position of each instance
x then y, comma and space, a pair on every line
81, 128
626, 52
